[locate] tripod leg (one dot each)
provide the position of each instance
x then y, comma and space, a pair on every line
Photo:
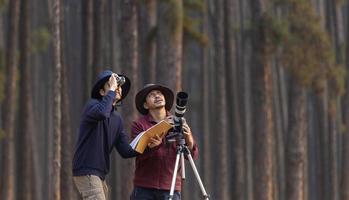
182, 165
174, 176
206, 196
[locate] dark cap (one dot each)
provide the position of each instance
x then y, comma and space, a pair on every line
102, 78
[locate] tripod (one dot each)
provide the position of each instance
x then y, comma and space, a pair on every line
182, 149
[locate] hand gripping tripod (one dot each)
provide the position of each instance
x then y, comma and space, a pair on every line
182, 149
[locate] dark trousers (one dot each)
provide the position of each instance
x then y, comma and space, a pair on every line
140, 193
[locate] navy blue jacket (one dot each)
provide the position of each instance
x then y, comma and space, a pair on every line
101, 129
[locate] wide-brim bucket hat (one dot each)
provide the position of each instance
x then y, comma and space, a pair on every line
102, 78
142, 94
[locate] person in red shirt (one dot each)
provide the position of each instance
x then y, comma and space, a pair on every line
154, 168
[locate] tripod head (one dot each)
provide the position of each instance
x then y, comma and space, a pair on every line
177, 130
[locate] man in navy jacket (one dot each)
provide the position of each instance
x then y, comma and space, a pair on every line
101, 129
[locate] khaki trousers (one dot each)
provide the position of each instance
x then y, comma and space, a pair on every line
91, 187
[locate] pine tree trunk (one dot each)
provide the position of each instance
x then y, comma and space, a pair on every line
334, 103
231, 20
147, 45
296, 144
67, 186
129, 63
325, 123
56, 177
98, 25
321, 107
169, 43
280, 104
86, 45
8, 105
223, 175
246, 96
206, 150
345, 151
262, 107
25, 161
333, 150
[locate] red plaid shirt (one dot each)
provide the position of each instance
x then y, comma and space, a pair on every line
154, 168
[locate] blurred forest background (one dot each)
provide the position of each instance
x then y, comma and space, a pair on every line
267, 83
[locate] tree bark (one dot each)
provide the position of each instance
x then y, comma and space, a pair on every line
223, 175
334, 103
67, 186
206, 150
246, 97
262, 106
147, 37
296, 144
231, 20
56, 173
333, 150
321, 106
169, 43
280, 105
98, 11
129, 63
8, 106
345, 151
87, 45
26, 183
